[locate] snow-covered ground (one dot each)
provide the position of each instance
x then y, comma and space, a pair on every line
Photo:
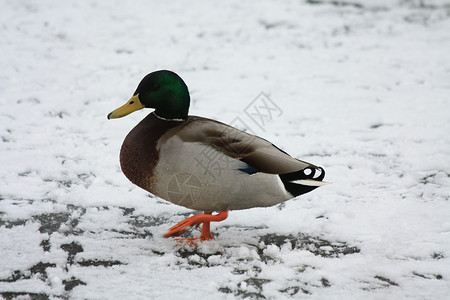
361, 88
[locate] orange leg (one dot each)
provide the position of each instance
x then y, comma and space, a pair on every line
196, 220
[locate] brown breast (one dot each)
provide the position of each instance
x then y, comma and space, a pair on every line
139, 156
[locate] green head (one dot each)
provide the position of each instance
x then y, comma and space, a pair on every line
162, 90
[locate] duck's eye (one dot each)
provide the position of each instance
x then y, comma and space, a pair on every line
155, 87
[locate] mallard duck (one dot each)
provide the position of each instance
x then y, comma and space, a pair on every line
173, 156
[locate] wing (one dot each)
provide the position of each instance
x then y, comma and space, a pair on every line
253, 150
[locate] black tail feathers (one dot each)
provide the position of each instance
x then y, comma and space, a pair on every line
296, 189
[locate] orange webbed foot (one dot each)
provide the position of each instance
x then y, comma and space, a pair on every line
196, 220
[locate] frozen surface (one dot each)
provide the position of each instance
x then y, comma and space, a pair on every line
362, 88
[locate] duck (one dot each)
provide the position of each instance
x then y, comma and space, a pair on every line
203, 164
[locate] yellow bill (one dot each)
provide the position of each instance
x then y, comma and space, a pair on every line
132, 105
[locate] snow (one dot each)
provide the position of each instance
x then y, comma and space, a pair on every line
363, 89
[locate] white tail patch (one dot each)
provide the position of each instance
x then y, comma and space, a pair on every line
310, 182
